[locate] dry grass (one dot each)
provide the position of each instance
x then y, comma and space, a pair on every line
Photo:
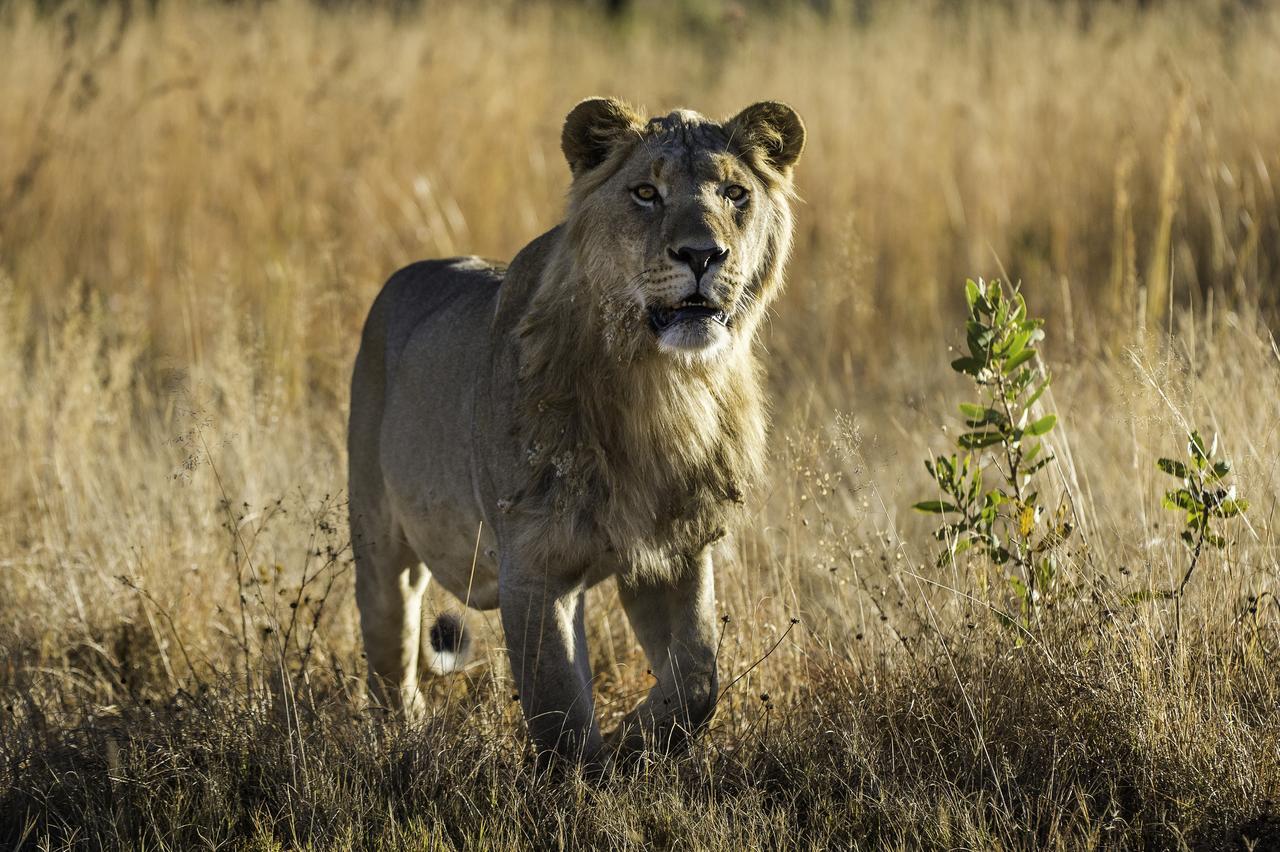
197, 206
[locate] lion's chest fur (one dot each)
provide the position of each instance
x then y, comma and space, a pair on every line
637, 470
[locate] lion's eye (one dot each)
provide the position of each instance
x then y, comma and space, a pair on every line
645, 193
735, 193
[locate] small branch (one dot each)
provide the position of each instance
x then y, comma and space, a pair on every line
767, 654
1195, 558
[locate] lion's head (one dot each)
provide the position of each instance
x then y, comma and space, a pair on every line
681, 224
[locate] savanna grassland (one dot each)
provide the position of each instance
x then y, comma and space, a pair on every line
198, 203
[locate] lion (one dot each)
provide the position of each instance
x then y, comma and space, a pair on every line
522, 433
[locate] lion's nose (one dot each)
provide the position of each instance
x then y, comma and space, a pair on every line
699, 259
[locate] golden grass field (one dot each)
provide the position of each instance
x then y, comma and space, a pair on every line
199, 202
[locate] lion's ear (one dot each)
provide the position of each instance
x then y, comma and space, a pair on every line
592, 130
773, 129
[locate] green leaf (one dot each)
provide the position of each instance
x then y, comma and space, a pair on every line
975, 485
1020, 306
1043, 425
979, 336
1221, 469
1036, 393
978, 416
1046, 571
1231, 508
968, 366
1018, 360
1038, 465
971, 292
1196, 447
1015, 344
978, 440
935, 507
1020, 588
1173, 467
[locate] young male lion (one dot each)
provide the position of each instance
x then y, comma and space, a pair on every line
592, 411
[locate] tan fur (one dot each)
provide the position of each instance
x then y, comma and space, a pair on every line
592, 411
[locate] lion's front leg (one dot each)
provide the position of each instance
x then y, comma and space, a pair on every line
542, 619
676, 625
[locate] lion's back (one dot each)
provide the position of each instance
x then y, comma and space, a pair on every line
425, 332
454, 290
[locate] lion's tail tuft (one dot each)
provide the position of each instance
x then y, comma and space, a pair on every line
449, 645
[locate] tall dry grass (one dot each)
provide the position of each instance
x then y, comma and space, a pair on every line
198, 204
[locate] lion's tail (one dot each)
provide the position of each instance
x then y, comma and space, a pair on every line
448, 648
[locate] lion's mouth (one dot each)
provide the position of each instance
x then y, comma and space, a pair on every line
692, 309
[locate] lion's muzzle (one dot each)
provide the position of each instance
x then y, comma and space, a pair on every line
692, 310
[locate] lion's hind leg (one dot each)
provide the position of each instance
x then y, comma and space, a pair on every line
390, 584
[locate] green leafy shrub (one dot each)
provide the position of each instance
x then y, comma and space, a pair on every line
1203, 497
989, 497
